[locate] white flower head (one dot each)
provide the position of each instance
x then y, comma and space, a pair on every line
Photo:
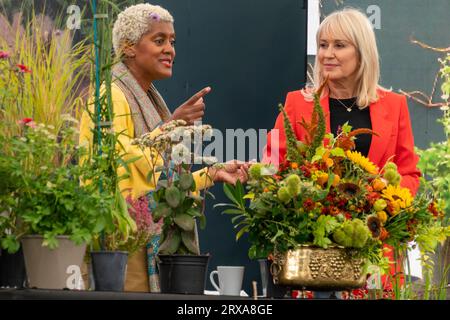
268, 170
210, 160
208, 134
181, 154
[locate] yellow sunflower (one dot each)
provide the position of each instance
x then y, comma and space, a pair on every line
399, 197
357, 158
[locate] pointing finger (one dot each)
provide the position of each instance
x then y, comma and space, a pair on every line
199, 95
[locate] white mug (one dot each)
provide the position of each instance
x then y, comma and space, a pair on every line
230, 280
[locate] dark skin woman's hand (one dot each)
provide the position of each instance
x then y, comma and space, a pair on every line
193, 109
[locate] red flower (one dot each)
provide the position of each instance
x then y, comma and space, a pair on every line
334, 211
309, 204
348, 216
434, 211
23, 68
306, 171
27, 122
4, 55
384, 234
342, 203
372, 197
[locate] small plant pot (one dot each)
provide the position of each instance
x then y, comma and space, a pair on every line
53, 269
183, 274
109, 269
12, 269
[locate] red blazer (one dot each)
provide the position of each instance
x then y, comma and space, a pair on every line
390, 120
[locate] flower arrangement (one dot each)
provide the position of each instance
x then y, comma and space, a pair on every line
176, 201
326, 194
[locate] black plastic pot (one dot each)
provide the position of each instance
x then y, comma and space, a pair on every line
109, 269
270, 290
183, 274
12, 269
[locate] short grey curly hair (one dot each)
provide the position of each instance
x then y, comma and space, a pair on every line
134, 22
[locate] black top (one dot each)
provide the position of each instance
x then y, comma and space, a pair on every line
357, 118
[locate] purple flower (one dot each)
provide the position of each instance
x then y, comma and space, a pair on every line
154, 16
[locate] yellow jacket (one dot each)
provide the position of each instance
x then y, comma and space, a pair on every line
137, 183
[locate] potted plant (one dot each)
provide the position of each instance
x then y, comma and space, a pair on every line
30, 84
179, 205
323, 216
51, 214
108, 253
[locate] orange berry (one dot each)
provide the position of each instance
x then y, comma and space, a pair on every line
322, 178
336, 180
378, 185
329, 162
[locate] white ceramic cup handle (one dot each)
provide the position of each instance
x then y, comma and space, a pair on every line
211, 278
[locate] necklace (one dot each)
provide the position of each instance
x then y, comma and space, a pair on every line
349, 109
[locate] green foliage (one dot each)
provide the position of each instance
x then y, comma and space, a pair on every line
177, 199
44, 195
105, 152
53, 87
435, 161
291, 141
322, 229
180, 209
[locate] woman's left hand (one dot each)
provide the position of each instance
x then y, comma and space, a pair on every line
232, 171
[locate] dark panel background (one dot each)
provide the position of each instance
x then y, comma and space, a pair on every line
251, 53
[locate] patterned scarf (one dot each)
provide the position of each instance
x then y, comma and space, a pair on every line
148, 109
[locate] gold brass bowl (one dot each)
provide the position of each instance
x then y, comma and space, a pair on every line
313, 268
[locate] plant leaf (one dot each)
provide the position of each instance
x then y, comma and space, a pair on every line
189, 241
184, 221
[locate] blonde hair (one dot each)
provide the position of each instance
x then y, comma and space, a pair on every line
353, 26
134, 22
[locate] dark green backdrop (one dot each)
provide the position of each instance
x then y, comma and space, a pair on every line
251, 52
